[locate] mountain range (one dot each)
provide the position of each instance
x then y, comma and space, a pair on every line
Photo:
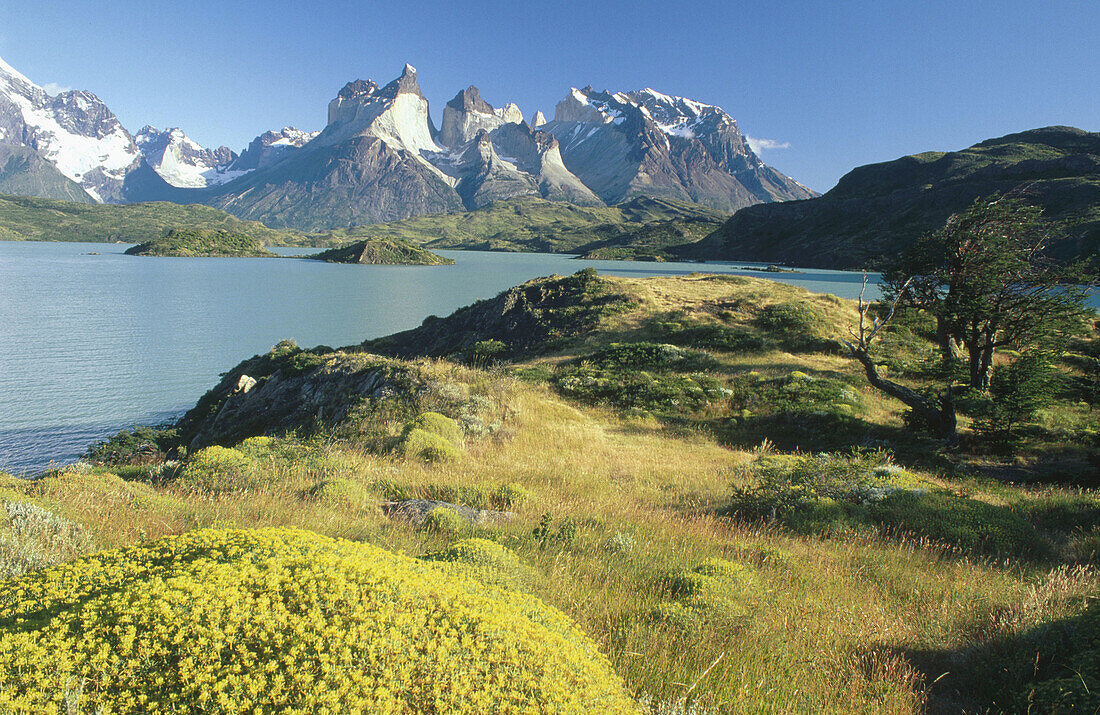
380, 157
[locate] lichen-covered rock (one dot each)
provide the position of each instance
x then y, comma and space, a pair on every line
415, 511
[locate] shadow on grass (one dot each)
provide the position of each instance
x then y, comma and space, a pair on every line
1051, 668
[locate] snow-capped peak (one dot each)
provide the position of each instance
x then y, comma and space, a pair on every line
74, 130
6, 69
678, 116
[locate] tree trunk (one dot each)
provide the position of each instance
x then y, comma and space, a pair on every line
948, 349
940, 415
975, 365
983, 367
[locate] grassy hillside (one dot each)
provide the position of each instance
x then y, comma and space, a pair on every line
527, 224
383, 251
879, 209
200, 243
697, 478
33, 219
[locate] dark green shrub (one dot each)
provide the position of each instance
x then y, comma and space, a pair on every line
487, 350
719, 338
545, 534
797, 328
638, 388
141, 444
647, 356
1019, 390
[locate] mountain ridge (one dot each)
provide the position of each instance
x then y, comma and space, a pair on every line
878, 209
380, 157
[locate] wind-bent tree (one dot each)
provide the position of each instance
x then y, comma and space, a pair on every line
986, 278
938, 411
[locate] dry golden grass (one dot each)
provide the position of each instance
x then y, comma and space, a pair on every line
838, 624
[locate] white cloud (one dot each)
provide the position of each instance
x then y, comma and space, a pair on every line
53, 88
759, 145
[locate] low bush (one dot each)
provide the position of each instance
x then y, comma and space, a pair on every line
720, 338
209, 621
476, 496
968, 524
797, 327
639, 389
337, 491
716, 593
32, 538
444, 521
216, 469
140, 445
427, 446
647, 356
839, 493
436, 424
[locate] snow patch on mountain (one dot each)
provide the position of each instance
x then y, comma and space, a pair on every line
183, 162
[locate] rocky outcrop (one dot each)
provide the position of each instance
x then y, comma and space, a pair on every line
294, 390
527, 320
415, 512
24, 173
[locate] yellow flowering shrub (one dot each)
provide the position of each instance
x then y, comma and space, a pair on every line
287, 621
488, 561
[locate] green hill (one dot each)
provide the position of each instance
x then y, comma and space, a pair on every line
34, 219
879, 209
196, 243
383, 251
527, 224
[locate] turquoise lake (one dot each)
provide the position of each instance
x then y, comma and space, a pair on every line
90, 344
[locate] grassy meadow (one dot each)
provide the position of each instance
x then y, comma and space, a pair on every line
706, 486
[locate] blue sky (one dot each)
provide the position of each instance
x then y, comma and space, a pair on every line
833, 84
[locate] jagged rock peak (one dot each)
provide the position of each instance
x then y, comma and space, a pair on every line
366, 89
538, 119
469, 100
405, 84
358, 88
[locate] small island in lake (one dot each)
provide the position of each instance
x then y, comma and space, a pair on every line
205, 243
383, 251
